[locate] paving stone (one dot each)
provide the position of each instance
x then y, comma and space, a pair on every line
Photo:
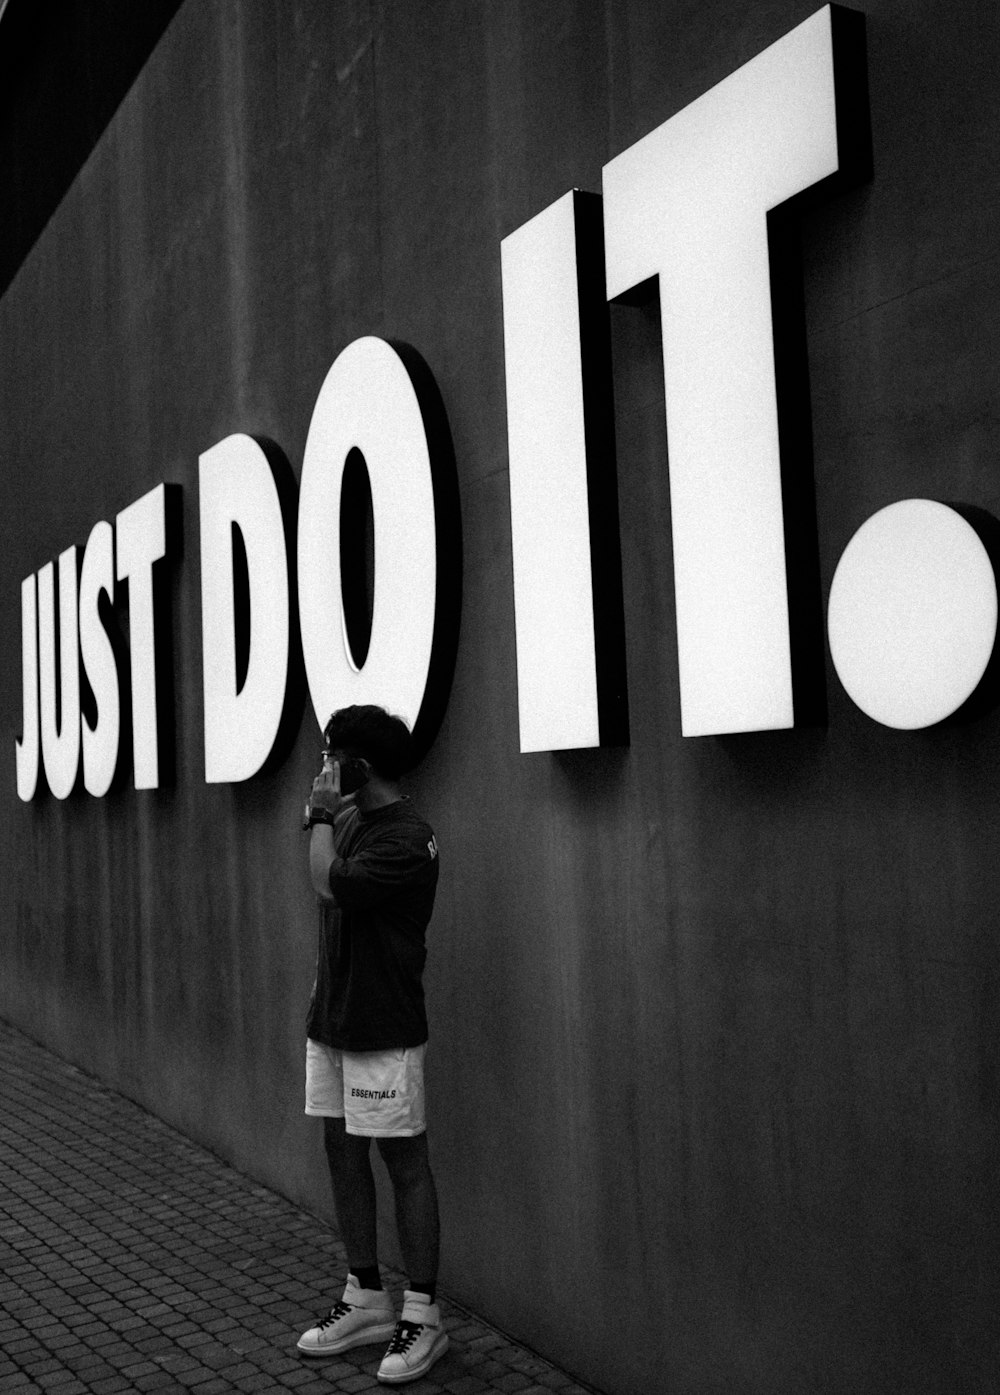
488, 1370
139, 1368
461, 1331
152, 1346
42, 1367
219, 1358
527, 1363
160, 1381
98, 1370
179, 1329
197, 1376
511, 1384
275, 1363
195, 1339
22, 1345
487, 1341
334, 1369
70, 1354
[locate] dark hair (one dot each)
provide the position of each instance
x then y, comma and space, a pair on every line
373, 734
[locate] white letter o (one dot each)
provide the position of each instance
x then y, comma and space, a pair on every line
368, 402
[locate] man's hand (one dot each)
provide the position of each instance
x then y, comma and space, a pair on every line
325, 795
326, 790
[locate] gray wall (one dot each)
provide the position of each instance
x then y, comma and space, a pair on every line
714, 1056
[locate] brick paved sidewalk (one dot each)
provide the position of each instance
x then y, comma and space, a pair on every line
133, 1260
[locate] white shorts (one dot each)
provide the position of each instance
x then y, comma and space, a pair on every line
378, 1094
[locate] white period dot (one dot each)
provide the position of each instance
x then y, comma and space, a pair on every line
913, 614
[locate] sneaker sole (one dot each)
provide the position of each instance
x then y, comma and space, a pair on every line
368, 1336
437, 1350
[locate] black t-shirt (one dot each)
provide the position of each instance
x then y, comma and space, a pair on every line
369, 995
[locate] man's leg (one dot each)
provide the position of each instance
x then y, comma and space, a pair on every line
353, 1192
408, 1163
365, 1314
420, 1338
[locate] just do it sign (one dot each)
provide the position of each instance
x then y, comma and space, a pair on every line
698, 204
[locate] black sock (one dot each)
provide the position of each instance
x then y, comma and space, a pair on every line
430, 1289
368, 1278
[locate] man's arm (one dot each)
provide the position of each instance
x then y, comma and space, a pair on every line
325, 796
392, 867
321, 855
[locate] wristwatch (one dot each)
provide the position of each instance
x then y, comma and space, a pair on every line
315, 815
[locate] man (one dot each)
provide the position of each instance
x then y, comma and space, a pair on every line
373, 864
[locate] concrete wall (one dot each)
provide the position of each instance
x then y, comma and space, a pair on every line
714, 1058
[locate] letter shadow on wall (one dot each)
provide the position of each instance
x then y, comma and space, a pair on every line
286, 488
166, 617
806, 617
806, 622
113, 615
598, 385
166, 588
987, 693
448, 547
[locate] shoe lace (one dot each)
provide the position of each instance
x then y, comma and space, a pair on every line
340, 1309
405, 1335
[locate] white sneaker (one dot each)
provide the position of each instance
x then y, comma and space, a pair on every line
418, 1341
362, 1316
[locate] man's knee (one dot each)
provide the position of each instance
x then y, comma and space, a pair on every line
334, 1133
407, 1159
341, 1146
